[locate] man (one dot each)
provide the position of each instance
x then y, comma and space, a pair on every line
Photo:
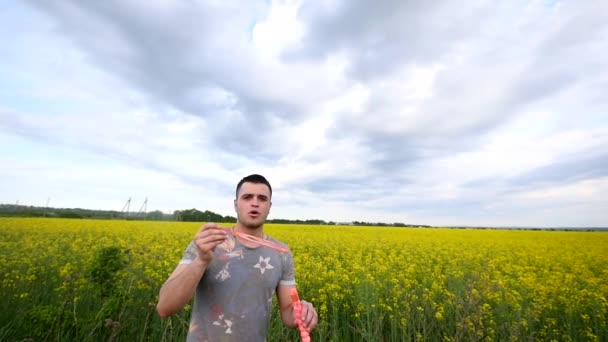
234, 279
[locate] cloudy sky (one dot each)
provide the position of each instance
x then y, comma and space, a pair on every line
422, 112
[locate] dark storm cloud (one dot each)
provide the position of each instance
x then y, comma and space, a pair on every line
192, 58
182, 56
12, 124
357, 188
586, 165
514, 70
382, 35
581, 168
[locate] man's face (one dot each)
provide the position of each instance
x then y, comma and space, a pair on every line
252, 204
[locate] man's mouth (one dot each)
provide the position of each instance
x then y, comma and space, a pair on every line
254, 213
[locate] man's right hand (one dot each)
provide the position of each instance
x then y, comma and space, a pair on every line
207, 238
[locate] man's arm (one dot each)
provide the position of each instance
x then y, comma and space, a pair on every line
309, 314
285, 306
178, 290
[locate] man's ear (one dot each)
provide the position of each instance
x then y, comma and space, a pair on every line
234, 204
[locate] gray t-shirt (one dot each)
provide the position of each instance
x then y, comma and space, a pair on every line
234, 297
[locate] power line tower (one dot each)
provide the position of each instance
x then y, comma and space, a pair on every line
144, 208
46, 207
125, 209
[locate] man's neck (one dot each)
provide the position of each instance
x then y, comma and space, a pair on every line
259, 231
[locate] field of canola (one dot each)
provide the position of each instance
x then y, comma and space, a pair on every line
95, 280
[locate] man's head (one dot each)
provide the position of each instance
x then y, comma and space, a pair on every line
253, 201
255, 179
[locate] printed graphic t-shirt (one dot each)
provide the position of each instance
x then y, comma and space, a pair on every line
233, 300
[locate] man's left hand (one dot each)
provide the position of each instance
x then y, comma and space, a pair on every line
309, 316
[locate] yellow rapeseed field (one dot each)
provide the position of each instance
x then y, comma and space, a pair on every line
91, 280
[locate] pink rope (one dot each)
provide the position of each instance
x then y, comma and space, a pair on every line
259, 241
297, 311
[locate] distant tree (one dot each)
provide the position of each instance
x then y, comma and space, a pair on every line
155, 215
209, 216
71, 214
314, 222
195, 215
191, 215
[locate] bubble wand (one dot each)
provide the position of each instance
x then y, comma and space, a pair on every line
297, 310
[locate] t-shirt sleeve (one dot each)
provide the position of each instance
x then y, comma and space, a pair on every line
288, 277
190, 254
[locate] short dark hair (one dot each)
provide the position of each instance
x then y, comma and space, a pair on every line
255, 179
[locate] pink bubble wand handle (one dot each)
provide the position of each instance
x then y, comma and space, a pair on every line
297, 311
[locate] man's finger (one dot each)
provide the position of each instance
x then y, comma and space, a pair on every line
211, 225
210, 232
311, 317
305, 314
211, 238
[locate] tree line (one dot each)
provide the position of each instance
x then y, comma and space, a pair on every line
187, 215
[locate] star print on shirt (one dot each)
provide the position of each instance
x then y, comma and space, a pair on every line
263, 264
223, 273
224, 323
